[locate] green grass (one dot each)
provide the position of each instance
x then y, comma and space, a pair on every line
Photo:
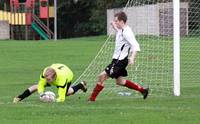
21, 62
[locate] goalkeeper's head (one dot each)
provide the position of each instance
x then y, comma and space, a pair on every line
120, 19
50, 74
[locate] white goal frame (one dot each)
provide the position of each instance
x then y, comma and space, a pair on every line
176, 46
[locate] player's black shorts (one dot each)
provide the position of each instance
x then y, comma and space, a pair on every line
117, 68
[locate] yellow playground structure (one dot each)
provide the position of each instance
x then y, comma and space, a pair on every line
27, 20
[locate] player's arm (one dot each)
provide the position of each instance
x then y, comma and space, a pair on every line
114, 26
62, 86
61, 94
134, 47
132, 57
41, 85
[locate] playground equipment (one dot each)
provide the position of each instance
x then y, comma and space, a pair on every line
28, 20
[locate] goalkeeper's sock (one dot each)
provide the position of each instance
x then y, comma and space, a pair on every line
77, 87
134, 86
95, 92
25, 94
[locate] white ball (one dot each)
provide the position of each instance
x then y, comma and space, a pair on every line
48, 97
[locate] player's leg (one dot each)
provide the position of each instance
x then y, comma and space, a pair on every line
101, 78
80, 86
120, 72
99, 86
26, 93
132, 85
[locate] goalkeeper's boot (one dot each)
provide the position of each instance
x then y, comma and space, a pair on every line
16, 100
145, 93
83, 86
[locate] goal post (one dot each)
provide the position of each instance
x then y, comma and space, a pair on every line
176, 46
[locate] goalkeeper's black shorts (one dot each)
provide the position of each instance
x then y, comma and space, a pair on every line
117, 68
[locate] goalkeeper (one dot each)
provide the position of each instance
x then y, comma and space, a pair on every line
58, 75
125, 42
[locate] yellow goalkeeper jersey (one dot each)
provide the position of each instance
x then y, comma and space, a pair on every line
63, 76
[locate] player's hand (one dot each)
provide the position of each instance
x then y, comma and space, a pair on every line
114, 25
131, 61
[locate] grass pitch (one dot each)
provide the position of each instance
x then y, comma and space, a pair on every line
21, 62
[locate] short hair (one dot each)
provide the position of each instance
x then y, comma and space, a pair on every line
49, 70
121, 16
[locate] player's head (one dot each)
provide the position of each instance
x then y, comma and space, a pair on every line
120, 19
50, 75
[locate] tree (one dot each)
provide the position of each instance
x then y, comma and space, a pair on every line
86, 17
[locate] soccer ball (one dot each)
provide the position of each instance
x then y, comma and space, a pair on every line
48, 97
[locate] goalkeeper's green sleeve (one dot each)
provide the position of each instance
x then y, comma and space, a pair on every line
61, 94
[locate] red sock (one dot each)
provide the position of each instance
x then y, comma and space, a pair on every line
134, 86
95, 92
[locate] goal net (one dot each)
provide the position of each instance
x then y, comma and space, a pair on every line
152, 24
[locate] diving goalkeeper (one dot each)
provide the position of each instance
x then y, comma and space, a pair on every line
58, 75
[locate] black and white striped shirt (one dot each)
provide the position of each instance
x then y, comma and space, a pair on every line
125, 41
